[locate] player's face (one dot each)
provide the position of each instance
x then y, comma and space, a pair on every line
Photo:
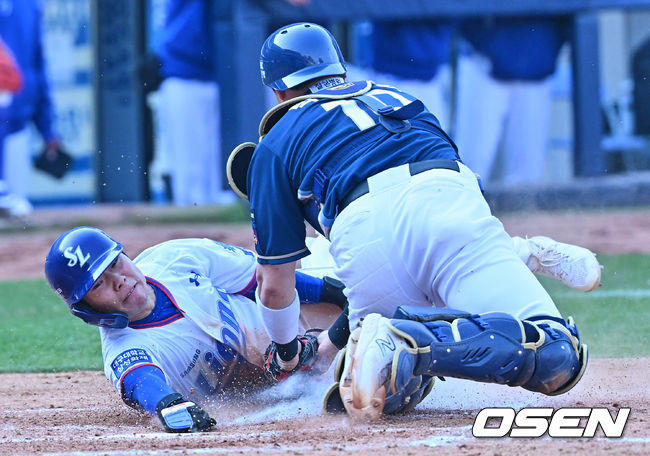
122, 288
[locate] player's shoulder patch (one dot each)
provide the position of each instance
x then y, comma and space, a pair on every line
342, 90
128, 359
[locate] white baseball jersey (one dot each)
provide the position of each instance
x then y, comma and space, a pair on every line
202, 278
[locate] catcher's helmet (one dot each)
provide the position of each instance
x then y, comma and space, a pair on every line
297, 53
74, 263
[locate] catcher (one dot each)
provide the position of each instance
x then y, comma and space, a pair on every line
178, 324
369, 167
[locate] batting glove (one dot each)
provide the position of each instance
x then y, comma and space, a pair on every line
332, 292
179, 415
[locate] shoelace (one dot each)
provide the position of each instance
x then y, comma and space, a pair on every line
553, 261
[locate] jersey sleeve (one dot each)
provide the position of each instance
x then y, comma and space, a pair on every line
277, 219
144, 387
230, 268
124, 354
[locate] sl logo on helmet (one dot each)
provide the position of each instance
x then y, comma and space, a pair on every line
76, 257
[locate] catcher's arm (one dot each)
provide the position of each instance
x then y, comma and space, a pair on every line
318, 352
147, 388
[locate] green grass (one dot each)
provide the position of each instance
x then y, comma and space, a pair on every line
38, 334
612, 320
238, 212
235, 213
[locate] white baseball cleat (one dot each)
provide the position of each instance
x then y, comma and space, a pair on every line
369, 358
574, 266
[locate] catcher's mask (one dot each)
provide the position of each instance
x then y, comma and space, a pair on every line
237, 168
297, 53
74, 263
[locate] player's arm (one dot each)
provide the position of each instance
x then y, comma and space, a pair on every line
146, 387
314, 289
228, 267
276, 285
311, 289
330, 290
280, 309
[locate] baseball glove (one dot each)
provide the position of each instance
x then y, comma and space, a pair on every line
272, 370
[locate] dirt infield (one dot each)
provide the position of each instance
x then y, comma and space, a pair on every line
80, 414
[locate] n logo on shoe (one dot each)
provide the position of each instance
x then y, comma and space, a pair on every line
385, 345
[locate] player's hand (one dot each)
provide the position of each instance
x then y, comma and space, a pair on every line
272, 370
179, 415
325, 354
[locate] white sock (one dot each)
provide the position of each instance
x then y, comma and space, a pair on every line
281, 325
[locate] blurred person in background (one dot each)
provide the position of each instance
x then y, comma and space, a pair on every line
504, 94
189, 104
20, 28
11, 80
412, 55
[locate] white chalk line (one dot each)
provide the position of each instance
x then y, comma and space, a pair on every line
451, 436
433, 441
613, 293
171, 436
56, 410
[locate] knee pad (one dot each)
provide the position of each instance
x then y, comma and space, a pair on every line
542, 354
560, 358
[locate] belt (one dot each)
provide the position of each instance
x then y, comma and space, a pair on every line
414, 168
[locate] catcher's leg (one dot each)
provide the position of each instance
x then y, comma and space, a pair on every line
542, 354
574, 266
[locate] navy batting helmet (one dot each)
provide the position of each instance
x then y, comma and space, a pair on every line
74, 263
297, 53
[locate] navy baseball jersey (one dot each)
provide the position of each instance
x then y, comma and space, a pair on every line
318, 152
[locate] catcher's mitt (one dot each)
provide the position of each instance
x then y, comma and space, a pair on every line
272, 370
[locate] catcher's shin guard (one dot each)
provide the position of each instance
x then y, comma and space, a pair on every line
542, 354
